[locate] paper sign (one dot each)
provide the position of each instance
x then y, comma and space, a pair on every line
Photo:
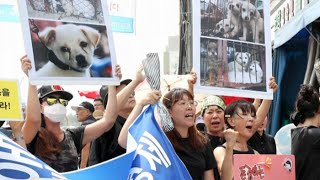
10, 108
267, 167
232, 47
68, 42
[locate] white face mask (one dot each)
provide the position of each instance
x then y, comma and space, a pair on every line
56, 112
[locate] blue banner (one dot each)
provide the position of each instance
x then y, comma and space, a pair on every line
122, 24
117, 168
17, 163
9, 13
154, 156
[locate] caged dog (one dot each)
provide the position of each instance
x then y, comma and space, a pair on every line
234, 16
213, 62
253, 22
71, 49
240, 63
254, 74
225, 28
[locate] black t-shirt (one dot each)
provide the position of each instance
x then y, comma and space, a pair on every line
215, 141
306, 148
264, 144
67, 159
197, 162
106, 146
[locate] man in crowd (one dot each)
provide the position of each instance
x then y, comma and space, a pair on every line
106, 146
98, 104
84, 113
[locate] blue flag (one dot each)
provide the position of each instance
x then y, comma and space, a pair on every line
154, 156
17, 163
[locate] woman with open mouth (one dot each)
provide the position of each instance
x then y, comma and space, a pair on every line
242, 121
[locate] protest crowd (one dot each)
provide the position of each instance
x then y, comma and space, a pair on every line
203, 136
234, 128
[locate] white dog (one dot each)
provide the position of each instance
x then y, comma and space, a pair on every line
253, 21
240, 62
255, 72
253, 76
71, 50
225, 27
234, 14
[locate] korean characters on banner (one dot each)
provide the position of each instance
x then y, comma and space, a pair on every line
250, 167
68, 42
10, 108
232, 48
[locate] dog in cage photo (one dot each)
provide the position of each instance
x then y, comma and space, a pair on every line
246, 63
254, 74
210, 63
240, 63
252, 23
232, 19
211, 14
69, 48
77, 10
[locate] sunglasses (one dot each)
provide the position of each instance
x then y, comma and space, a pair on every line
54, 100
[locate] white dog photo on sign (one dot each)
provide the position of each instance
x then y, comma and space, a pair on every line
69, 50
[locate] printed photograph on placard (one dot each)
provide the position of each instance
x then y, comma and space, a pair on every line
60, 46
68, 42
231, 49
232, 64
233, 19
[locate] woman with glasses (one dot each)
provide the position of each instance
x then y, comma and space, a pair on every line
191, 145
42, 132
193, 148
242, 121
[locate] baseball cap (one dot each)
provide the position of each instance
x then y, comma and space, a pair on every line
44, 91
212, 100
104, 90
84, 104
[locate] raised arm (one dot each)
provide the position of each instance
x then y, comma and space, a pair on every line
150, 98
126, 92
263, 110
192, 79
33, 116
224, 156
96, 129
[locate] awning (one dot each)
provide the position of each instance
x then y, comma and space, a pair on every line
304, 17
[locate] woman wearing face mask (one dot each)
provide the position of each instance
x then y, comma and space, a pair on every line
42, 132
